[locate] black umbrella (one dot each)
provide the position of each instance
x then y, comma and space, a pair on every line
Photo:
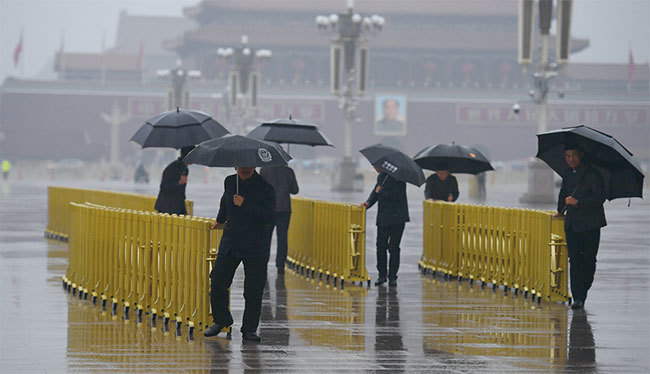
457, 158
177, 129
395, 163
621, 172
290, 131
237, 150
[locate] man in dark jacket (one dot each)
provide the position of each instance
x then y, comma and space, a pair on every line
283, 180
392, 215
171, 198
441, 185
582, 196
246, 210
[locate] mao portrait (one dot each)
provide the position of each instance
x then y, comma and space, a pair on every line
390, 115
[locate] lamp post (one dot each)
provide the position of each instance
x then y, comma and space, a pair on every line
115, 118
243, 80
348, 74
178, 97
541, 186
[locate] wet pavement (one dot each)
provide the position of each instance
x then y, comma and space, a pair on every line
423, 324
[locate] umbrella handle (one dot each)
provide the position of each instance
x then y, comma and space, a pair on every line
575, 189
237, 180
384, 181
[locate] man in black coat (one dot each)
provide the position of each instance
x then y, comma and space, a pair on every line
582, 196
171, 197
441, 185
246, 210
283, 180
392, 215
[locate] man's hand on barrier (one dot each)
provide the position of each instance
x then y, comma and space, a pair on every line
238, 200
216, 225
364, 204
450, 198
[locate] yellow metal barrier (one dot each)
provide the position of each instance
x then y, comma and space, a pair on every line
329, 239
148, 262
58, 223
521, 249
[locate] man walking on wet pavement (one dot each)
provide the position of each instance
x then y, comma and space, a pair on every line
171, 197
246, 210
392, 215
283, 180
582, 196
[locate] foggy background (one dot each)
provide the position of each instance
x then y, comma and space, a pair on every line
452, 64
611, 27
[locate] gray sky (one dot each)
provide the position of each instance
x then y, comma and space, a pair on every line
611, 26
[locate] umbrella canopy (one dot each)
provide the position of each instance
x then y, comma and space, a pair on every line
237, 150
290, 131
395, 163
621, 172
457, 158
177, 129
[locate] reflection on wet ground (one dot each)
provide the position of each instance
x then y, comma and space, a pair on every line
460, 319
421, 325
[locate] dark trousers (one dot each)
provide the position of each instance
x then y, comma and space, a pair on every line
254, 280
388, 238
281, 224
583, 248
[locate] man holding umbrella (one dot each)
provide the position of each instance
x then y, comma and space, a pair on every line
171, 197
246, 209
582, 196
392, 215
445, 159
394, 168
178, 129
245, 212
441, 185
610, 173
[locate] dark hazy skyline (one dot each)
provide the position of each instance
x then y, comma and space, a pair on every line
611, 26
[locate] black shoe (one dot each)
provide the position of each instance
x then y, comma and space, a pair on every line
214, 330
578, 304
380, 281
392, 283
251, 335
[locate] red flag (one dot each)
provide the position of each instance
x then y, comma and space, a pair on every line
630, 68
140, 55
18, 50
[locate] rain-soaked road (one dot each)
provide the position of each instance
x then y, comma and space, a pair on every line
422, 325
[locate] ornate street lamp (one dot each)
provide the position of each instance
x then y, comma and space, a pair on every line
178, 97
541, 187
349, 73
243, 79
